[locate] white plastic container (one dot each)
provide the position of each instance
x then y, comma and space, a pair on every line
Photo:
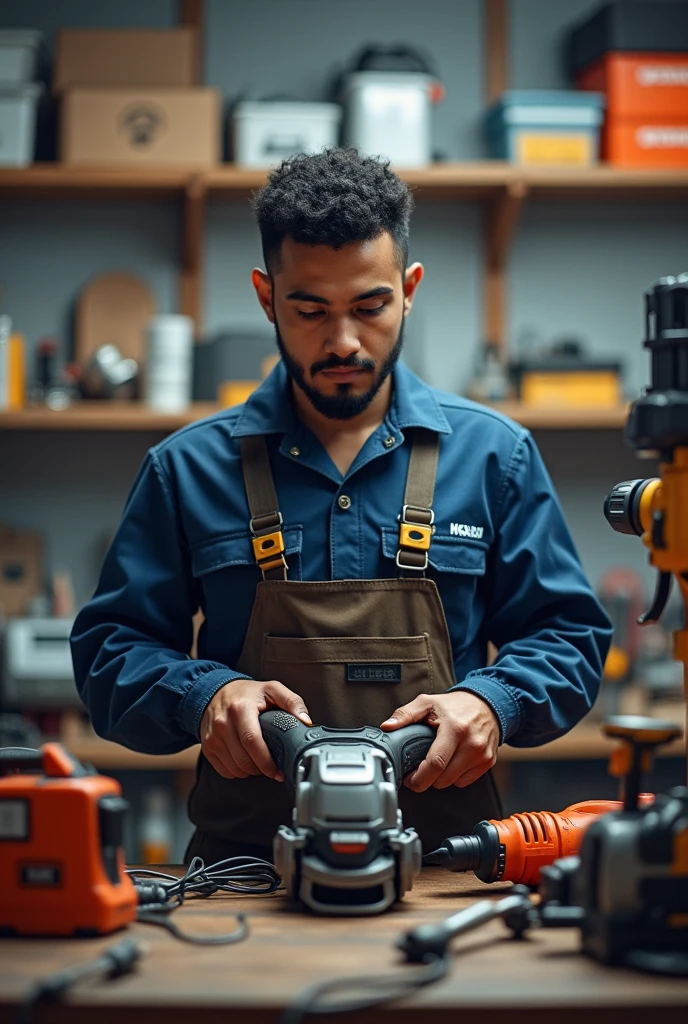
388, 115
19, 49
18, 123
169, 366
266, 133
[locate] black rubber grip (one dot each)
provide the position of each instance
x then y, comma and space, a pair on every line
20, 760
288, 739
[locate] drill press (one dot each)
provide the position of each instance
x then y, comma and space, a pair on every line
657, 509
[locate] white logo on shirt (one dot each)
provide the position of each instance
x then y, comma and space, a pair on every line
461, 530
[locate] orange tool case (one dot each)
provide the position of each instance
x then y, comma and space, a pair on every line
61, 854
646, 121
648, 86
650, 144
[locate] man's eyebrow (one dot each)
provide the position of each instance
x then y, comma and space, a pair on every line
299, 295
382, 290
302, 296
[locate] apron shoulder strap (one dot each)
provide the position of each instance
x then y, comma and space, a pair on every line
416, 523
266, 518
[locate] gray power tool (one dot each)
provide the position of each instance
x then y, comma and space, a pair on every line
347, 851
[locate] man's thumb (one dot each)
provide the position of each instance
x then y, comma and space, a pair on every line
289, 701
405, 715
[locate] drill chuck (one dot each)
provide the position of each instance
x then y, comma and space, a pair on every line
622, 507
480, 852
459, 853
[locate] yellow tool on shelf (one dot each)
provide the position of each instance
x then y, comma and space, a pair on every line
656, 509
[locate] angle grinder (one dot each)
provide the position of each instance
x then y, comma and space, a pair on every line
347, 851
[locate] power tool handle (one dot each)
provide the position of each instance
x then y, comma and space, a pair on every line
287, 739
284, 736
408, 747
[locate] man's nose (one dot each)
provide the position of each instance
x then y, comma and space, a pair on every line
342, 339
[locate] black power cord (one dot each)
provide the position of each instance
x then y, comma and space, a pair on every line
426, 945
114, 962
160, 893
387, 988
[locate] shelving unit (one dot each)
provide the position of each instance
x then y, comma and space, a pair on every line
117, 416
502, 189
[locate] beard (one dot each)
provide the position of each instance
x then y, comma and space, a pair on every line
343, 405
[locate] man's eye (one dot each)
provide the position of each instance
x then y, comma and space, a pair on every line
310, 316
372, 312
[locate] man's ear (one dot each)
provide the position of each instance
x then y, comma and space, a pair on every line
412, 278
263, 286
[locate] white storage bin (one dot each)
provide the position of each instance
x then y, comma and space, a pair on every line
19, 50
169, 362
17, 123
388, 115
266, 133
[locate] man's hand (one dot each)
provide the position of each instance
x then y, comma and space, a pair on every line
230, 734
466, 742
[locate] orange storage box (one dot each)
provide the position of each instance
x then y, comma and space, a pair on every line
641, 85
643, 143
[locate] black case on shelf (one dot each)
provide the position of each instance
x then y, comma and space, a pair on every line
639, 26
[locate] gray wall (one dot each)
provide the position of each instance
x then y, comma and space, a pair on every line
578, 268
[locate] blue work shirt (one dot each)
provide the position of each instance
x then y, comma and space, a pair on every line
502, 558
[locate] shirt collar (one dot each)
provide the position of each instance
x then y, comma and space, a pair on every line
270, 409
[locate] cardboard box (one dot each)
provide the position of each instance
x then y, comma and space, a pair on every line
112, 58
644, 85
141, 127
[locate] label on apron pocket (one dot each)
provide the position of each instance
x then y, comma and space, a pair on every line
385, 673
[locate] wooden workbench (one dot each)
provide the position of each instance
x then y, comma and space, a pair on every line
493, 979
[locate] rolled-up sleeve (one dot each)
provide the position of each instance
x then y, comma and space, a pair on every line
131, 642
551, 633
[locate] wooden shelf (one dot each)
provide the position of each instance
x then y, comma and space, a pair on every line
55, 181
107, 757
105, 416
471, 179
558, 418
136, 416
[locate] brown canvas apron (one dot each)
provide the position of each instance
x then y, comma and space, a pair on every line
354, 650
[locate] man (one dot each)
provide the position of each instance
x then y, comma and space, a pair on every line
396, 529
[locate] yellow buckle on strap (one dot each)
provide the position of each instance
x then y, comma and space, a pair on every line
416, 527
412, 536
267, 546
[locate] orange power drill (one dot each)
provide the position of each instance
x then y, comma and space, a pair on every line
514, 849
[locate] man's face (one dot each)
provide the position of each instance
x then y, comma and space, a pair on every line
338, 316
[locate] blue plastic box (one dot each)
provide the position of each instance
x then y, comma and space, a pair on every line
538, 126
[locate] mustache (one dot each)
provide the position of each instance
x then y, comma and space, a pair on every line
334, 363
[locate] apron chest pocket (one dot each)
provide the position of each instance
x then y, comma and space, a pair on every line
348, 682
235, 551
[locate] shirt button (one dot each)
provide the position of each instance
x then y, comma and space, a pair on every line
294, 451
344, 501
389, 442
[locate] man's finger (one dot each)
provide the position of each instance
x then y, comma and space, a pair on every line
415, 711
286, 699
471, 776
461, 762
224, 765
241, 753
436, 760
250, 740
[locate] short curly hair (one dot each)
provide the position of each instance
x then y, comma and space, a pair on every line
332, 198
